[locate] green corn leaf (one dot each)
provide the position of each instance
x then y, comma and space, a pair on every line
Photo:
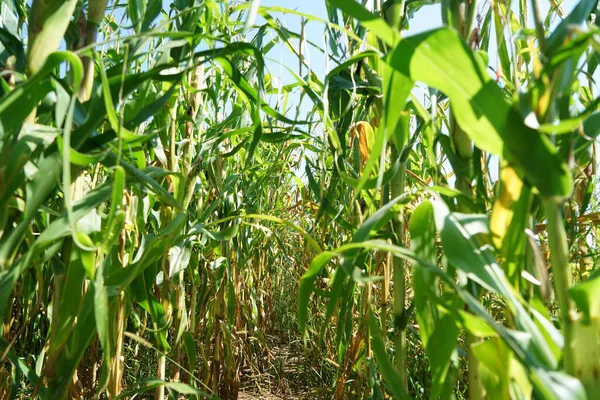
189, 347
81, 337
466, 243
13, 46
439, 332
369, 20
89, 120
78, 158
153, 9
16, 105
480, 108
102, 315
579, 14
587, 297
390, 375
245, 87
548, 383
500, 373
159, 321
380, 218
69, 303
118, 188
58, 229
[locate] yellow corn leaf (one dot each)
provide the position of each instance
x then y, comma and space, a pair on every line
503, 210
364, 132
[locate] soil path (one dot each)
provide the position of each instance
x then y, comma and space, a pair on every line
287, 378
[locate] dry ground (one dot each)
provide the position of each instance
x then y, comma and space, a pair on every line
288, 378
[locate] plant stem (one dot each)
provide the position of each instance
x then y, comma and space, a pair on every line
397, 189
539, 25
179, 304
476, 390
559, 256
116, 371
160, 372
85, 90
165, 295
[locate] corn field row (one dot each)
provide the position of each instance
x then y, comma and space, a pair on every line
419, 221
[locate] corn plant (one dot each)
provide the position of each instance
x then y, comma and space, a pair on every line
170, 209
131, 159
483, 288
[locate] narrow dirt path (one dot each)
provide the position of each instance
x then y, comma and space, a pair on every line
287, 378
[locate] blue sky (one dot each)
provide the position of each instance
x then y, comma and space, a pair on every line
426, 18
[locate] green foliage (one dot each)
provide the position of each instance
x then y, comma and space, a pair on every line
167, 219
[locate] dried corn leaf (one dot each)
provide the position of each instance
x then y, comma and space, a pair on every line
364, 132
